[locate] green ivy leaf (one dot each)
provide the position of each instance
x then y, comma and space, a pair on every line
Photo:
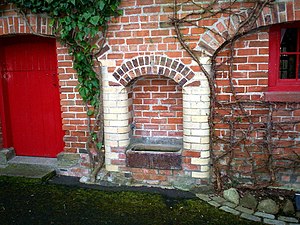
101, 4
94, 20
86, 15
90, 112
99, 145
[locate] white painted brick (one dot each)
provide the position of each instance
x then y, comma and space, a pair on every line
187, 118
112, 168
200, 174
205, 168
199, 132
122, 103
106, 123
116, 136
123, 116
123, 95
186, 104
123, 129
204, 126
191, 98
201, 91
199, 119
200, 161
205, 154
116, 110
118, 123
124, 143
204, 112
205, 98
107, 63
188, 111
110, 104
111, 155
204, 140
107, 161
191, 139
187, 132
110, 129
108, 116
186, 145
112, 90
196, 147
191, 125
107, 149
112, 143
200, 105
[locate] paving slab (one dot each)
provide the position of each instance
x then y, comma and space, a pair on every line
28, 170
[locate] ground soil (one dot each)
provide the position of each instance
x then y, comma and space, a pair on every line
30, 201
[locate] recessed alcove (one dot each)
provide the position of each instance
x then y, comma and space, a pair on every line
156, 121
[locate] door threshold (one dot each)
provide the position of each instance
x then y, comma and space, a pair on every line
50, 162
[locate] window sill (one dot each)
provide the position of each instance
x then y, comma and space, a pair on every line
283, 96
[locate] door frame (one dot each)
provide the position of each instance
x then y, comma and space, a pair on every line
4, 115
7, 136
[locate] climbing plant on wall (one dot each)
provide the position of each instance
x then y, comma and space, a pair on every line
257, 137
81, 25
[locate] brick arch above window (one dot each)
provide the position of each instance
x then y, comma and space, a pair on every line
153, 65
225, 27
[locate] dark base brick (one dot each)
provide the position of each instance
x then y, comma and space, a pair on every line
153, 160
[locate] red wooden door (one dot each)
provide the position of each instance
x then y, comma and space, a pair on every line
30, 96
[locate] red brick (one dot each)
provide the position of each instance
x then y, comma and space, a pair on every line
258, 44
159, 120
168, 101
160, 107
251, 51
151, 127
134, 41
150, 101
167, 114
174, 120
130, 11
152, 9
141, 107
159, 95
167, 127
128, 3
150, 114
142, 95
258, 59
159, 133
159, 82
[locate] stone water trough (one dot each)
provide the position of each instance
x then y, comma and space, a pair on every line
154, 153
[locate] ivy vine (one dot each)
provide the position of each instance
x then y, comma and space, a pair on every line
77, 23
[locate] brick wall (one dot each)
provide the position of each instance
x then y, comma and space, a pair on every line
157, 107
250, 79
141, 42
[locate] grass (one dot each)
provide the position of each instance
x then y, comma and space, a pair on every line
29, 201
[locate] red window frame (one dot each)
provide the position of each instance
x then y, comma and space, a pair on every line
275, 83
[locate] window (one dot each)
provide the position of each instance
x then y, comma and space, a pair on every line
284, 64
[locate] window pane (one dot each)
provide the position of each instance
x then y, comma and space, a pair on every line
288, 66
288, 40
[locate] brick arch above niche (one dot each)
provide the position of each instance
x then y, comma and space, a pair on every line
153, 65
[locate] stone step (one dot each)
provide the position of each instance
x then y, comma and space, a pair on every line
50, 162
30, 167
28, 170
